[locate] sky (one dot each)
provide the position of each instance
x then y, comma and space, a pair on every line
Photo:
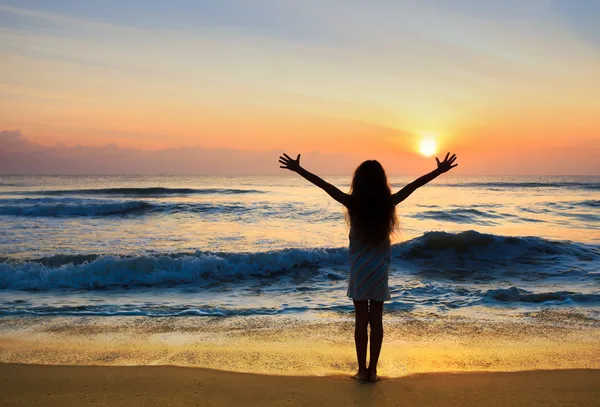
512, 87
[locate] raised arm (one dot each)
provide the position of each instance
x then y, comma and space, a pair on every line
442, 167
294, 165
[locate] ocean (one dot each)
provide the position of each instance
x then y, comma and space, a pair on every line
165, 246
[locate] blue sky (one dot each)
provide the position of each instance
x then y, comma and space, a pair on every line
291, 19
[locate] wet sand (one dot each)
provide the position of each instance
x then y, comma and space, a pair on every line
36, 385
291, 347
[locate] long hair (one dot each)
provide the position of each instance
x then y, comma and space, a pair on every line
371, 215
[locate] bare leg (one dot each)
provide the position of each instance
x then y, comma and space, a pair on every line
361, 338
376, 321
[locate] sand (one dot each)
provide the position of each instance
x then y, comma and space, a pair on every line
544, 359
38, 385
291, 347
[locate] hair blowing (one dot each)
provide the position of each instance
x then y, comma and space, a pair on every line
371, 215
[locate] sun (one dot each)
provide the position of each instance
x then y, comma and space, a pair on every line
428, 147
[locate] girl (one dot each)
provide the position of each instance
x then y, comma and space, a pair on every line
372, 217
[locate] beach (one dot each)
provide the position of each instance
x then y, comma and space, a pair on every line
549, 359
177, 386
144, 290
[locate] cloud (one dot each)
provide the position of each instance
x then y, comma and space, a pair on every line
18, 155
14, 142
21, 156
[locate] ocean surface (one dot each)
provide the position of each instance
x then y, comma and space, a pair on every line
243, 246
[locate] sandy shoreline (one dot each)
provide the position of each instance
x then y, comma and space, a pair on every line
36, 385
550, 358
292, 347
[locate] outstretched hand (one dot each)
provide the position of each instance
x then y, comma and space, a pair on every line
289, 163
447, 164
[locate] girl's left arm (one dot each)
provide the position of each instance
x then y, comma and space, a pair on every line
294, 165
442, 167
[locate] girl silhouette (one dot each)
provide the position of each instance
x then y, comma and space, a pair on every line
371, 213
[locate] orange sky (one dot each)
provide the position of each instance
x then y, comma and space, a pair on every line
519, 84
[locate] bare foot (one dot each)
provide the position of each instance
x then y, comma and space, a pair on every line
361, 376
372, 375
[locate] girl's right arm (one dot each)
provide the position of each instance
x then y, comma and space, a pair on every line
294, 165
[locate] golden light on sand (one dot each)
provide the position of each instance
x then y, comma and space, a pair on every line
428, 147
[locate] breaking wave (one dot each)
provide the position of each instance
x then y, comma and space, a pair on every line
435, 255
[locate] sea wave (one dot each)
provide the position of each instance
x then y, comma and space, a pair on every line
105, 207
591, 203
109, 310
139, 192
203, 268
483, 245
435, 255
72, 207
515, 294
588, 203
473, 256
515, 185
462, 215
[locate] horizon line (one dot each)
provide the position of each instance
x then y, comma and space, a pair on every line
265, 175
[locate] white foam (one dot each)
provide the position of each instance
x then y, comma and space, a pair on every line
201, 268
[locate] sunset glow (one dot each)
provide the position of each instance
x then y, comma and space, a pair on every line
346, 82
